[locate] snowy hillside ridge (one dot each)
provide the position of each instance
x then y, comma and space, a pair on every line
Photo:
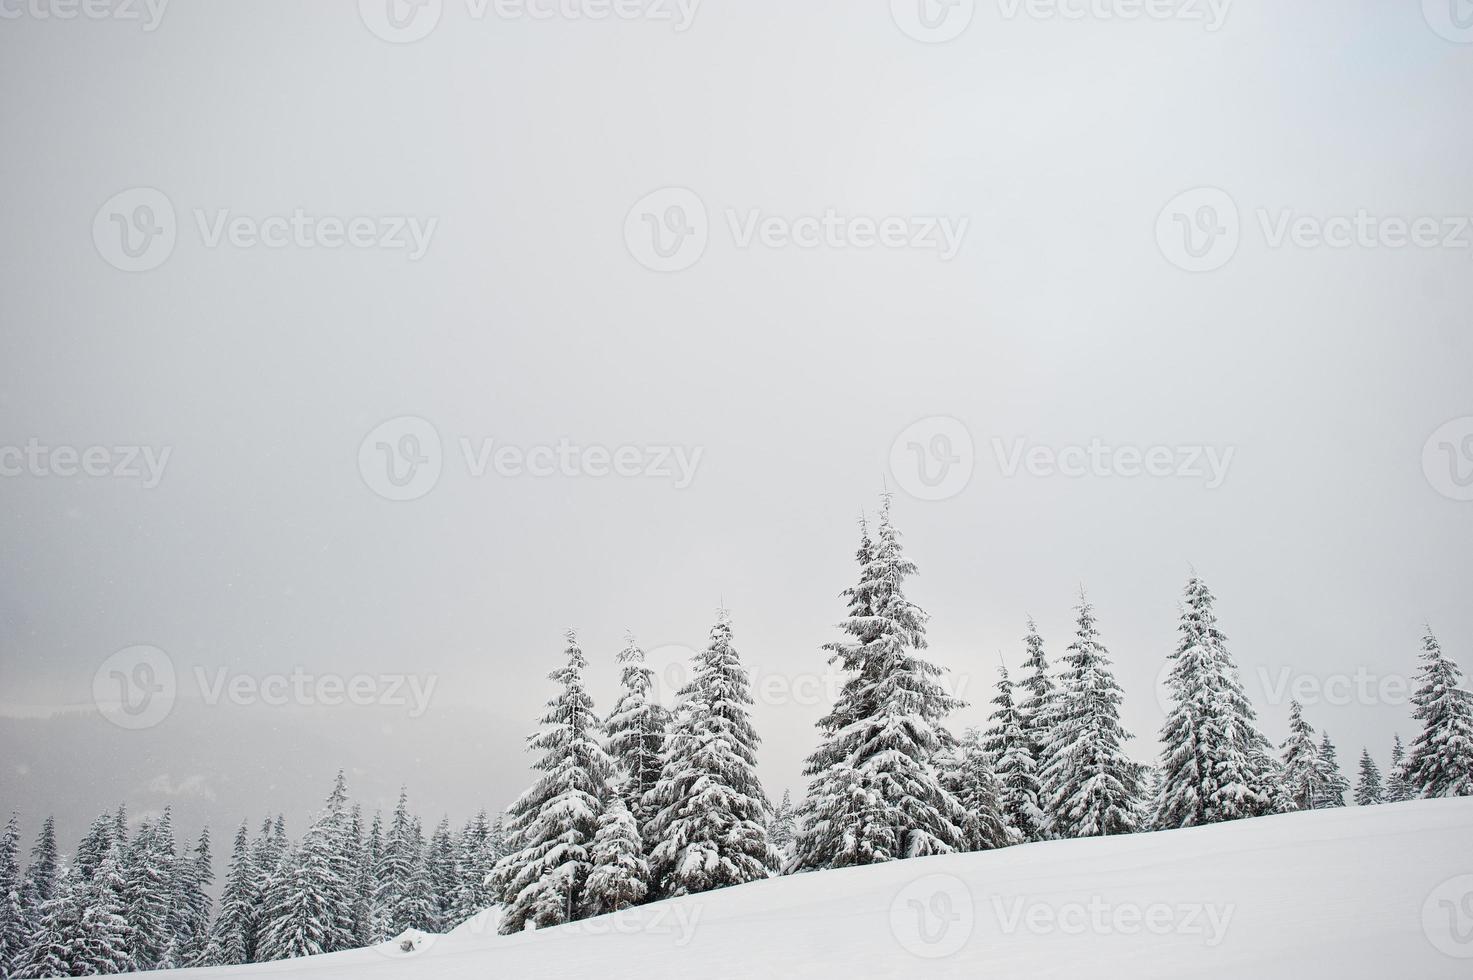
1356, 892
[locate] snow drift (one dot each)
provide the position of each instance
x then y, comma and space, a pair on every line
1365, 892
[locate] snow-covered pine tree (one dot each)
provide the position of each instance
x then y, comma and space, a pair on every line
94, 846
1368, 791
543, 881
1335, 785
1441, 760
14, 923
1304, 769
620, 875
1035, 707
1092, 787
51, 951
708, 827
362, 858
268, 851
232, 935
966, 773
1213, 757
105, 938
876, 792
477, 858
1012, 762
309, 900
41, 873
1397, 789
194, 873
366, 919
149, 890
397, 904
442, 865
636, 730
783, 827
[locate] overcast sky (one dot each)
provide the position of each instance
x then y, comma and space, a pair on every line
285, 265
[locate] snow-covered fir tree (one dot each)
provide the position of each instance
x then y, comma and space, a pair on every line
399, 902
966, 773
1035, 706
364, 856
708, 824
620, 875
51, 949
876, 792
1305, 775
14, 925
1441, 759
636, 730
782, 829
1012, 762
442, 865
478, 854
1368, 791
1397, 789
190, 907
308, 905
1092, 787
1335, 786
149, 890
543, 881
1213, 758
42, 871
232, 935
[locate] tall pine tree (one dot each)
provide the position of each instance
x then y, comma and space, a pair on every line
709, 823
542, 883
1368, 791
1012, 761
1305, 782
876, 792
1092, 786
1213, 757
636, 730
1441, 761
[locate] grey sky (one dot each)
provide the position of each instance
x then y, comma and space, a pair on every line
519, 147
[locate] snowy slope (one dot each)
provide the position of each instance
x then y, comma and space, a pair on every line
1352, 893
